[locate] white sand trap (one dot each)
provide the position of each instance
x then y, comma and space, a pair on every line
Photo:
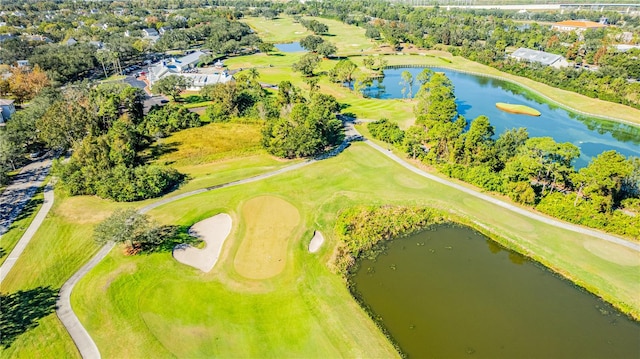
299, 32
316, 242
213, 231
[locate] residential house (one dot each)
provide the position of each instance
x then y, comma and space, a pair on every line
149, 32
71, 42
7, 109
164, 29
22, 63
540, 57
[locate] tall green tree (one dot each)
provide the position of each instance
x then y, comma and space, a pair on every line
306, 64
602, 179
172, 85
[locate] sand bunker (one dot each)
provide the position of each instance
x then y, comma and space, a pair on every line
213, 231
316, 242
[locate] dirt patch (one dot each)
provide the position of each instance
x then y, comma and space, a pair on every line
270, 223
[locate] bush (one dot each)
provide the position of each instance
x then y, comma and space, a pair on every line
386, 131
361, 228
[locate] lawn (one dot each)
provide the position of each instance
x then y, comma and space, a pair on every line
153, 306
348, 39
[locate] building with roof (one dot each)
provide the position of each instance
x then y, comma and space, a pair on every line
577, 25
150, 32
7, 109
183, 67
71, 42
540, 57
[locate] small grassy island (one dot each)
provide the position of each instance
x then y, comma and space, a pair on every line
517, 109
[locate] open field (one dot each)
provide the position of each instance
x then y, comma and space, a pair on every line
349, 39
153, 305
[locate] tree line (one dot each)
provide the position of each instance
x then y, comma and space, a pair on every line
535, 171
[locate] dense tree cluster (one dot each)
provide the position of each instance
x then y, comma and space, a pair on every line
306, 128
318, 45
532, 171
105, 128
313, 25
106, 135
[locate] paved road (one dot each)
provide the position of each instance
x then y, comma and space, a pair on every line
87, 346
28, 234
19, 192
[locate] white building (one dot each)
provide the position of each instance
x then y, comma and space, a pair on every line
540, 57
181, 67
6, 109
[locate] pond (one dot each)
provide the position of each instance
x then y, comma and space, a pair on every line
451, 292
478, 95
290, 47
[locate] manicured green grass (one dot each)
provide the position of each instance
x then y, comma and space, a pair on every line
270, 223
349, 39
281, 30
517, 109
152, 305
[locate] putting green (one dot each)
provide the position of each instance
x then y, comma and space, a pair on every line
270, 223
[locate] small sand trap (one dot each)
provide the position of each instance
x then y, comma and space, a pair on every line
316, 242
299, 32
213, 231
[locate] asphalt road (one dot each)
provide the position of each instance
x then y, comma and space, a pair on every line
16, 196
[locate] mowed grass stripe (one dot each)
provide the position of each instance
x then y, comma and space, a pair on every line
270, 223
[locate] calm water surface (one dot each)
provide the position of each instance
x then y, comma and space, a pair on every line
290, 47
478, 95
451, 293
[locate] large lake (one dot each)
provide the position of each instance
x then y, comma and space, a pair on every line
478, 95
452, 293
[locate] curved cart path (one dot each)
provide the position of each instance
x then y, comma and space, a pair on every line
85, 343
525, 212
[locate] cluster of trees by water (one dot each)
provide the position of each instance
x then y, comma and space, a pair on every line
531, 171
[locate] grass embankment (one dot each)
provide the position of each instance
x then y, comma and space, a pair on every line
517, 109
152, 305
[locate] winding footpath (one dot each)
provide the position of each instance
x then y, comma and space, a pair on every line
87, 347
85, 344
